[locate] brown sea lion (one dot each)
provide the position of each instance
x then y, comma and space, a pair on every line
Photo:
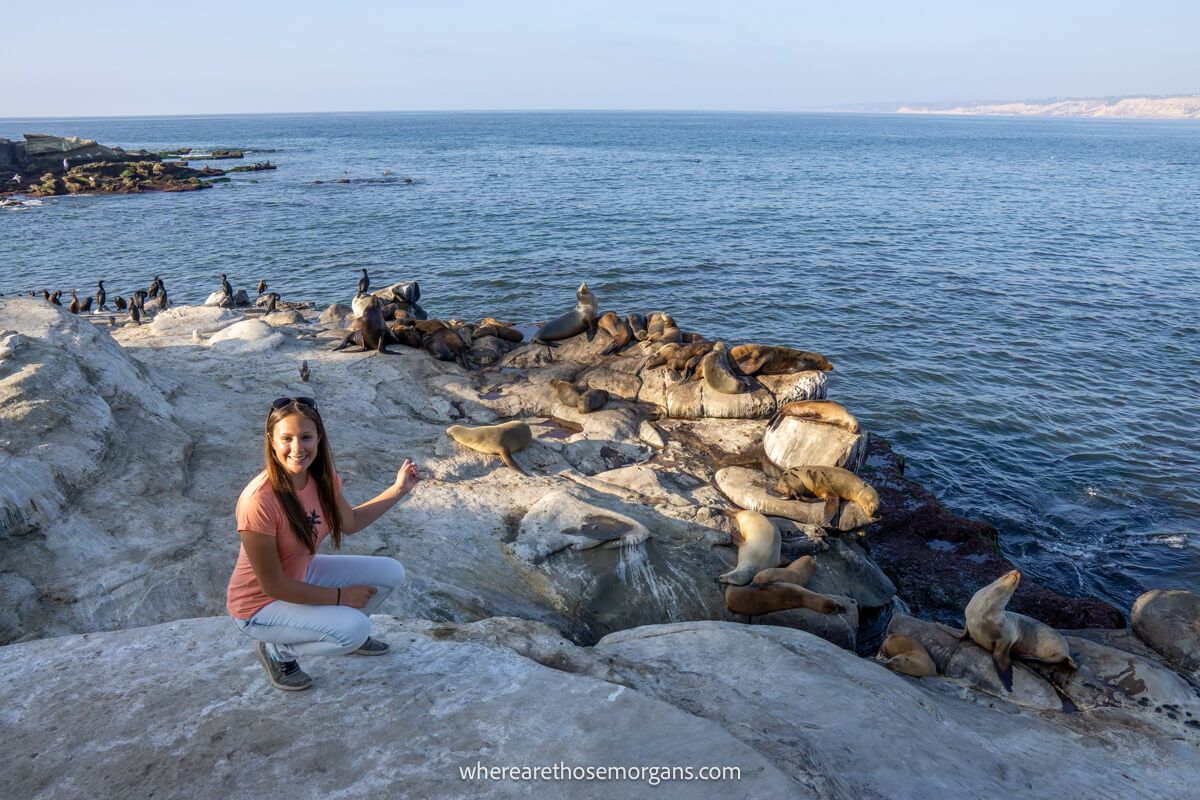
579, 320
504, 332
765, 359
446, 345
369, 331
657, 322
428, 326
567, 393
670, 333
686, 357
500, 440
592, 400
754, 600
1007, 634
405, 334
617, 329
826, 411
798, 572
831, 484
717, 372
904, 654
758, 544
637, 323
661, 356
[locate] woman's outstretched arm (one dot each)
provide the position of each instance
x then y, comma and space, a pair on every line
360, 516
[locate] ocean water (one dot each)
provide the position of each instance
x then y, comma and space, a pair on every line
1012, 302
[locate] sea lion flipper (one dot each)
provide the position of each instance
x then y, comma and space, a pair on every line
831, 507
957, 633
1003, 663
507, 458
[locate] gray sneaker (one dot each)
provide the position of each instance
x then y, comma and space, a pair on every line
285, 675
372, 647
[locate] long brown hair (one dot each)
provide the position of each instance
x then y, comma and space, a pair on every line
321, 470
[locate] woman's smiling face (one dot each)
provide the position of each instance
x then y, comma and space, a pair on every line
294, 442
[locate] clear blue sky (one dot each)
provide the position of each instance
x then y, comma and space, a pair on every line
68, 58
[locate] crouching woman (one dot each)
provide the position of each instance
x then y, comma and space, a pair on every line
293, 600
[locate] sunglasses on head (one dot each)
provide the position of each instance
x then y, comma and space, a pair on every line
280, 402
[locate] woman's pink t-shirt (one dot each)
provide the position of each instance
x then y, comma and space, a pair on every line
259, 510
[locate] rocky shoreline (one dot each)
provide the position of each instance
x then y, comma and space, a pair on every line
44, 165
571, 614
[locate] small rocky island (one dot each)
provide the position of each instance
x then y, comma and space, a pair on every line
569, 609
44, 165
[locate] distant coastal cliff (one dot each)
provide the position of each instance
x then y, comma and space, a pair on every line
1177, 107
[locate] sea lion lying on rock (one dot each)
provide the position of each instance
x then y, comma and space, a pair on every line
617, 329
637, 324
799, 572
826, 411
490, 327
1007, 634
764, 359
718, 373
499, 440
831, 484
904, 654
584, 400
754, 600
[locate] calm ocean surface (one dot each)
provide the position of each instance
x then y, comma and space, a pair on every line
1012, 302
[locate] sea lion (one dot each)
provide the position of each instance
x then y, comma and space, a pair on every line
687, 357
758, 544
754, 600
617, 329
798, 572
360, 302
499, 440
272, 302
670, 333
826, 411
579, 320
592, 400
764, 359
446, 345
505, 332
369, 331
637, 324
662, 356
1007, 634
657, 322
717, 372
405, 333
831, 484
904, 654
567, 393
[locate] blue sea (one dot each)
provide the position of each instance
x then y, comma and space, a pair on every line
1013, 303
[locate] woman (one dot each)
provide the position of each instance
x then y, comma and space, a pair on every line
293, 601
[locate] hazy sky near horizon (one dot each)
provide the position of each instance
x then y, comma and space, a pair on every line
130, 57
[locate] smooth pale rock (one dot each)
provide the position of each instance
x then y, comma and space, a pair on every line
283, 318
218, 298
336, 315
644, 480
808, 704
651, 434
840, 629
560, 521
1169, 621
247, 336
751, 489
182, 320
795, 442
196, 722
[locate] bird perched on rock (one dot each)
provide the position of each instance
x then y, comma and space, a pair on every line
139, 299
101, 296
304, 373
54, 298
86, 306
112, 321
364, 282
272, 300
135, 314
74, 307
119, 303
155, 287
262, 286
162, 300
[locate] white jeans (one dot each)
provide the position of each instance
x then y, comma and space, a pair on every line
296, 629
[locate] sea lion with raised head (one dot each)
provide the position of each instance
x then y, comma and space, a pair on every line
826, 411
765, 359
904, 654
579, 320
717, 372
617, 329
657, 322
369, 331
753, 600
831, 484
758, 544
499, 440
1007, 634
